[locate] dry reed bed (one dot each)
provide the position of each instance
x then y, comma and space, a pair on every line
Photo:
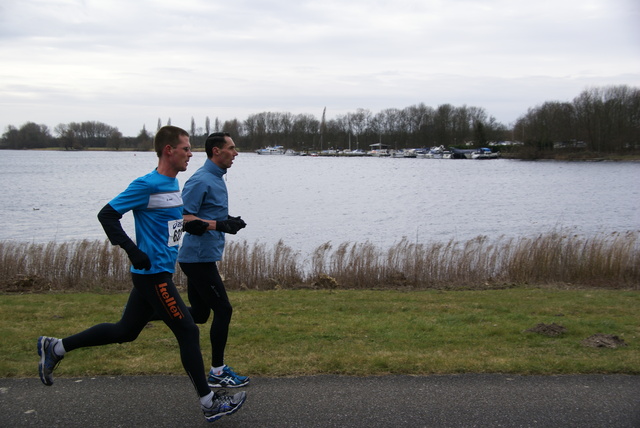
551, 258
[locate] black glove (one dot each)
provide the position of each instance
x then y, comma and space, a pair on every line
196, 227
232, 225
139, 258
240, 219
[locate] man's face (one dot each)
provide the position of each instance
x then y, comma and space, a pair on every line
224, 157
181, 154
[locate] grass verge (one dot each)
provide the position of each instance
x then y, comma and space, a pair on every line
350, 332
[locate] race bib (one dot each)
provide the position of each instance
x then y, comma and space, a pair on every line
175, 232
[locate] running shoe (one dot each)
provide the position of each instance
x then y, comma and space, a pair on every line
227, 379
48, 359
223, 404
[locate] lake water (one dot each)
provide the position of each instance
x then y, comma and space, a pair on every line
307, 201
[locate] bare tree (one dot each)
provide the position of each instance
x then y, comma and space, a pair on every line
359, 122
115, 139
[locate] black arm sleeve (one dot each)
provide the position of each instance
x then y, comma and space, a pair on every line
110, 220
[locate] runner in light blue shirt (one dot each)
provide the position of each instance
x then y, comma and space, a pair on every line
156, 203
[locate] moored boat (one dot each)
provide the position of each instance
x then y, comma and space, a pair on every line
461, 153
271, 150
436, 152
379, 150
485, 153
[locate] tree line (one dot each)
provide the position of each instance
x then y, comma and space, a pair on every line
601, 120
73, 136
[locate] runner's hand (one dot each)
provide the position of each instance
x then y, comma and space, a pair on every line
196, 227
232, 225
239, 219
139, 259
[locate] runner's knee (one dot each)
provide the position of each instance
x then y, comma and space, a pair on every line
125, 334
200, 316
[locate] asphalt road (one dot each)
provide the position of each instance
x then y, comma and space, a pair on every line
469, 400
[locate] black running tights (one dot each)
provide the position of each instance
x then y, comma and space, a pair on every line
155, 293
206, 293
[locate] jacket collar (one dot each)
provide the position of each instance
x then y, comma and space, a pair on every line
213, 168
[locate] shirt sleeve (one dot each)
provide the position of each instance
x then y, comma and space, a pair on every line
135, 197
193, 195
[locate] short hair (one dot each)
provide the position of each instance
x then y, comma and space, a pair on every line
217, 139
168, 135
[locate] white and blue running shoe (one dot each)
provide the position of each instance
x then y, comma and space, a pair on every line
227, 379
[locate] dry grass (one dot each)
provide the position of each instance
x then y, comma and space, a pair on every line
81, 265
611, 261
259, 268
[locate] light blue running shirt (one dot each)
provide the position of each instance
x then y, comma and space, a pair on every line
156, 203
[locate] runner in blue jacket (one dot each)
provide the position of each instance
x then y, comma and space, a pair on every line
206, 211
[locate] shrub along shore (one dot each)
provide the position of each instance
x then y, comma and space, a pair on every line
603, 261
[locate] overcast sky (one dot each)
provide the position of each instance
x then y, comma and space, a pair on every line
130, 63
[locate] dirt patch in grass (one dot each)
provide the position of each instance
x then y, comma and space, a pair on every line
601, 340
598, 340
25, 284
550, 330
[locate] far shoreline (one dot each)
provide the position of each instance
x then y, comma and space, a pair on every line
559, 157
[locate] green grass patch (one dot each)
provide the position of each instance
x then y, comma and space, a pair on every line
350, 332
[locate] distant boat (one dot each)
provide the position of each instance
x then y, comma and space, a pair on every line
379, 150
485, 153
420, 153
275, 150
356, 152
461, 153
436, 152
404, 153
